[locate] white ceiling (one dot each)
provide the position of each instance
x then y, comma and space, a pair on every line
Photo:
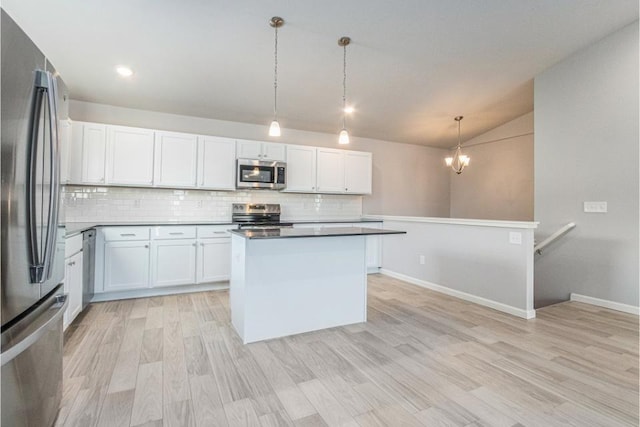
412, 66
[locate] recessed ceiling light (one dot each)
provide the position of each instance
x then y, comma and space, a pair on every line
349, 110
124, 71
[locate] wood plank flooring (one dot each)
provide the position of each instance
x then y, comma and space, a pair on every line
422, 359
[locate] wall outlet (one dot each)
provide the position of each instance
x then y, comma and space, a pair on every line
515, 238
595, 207
421, 259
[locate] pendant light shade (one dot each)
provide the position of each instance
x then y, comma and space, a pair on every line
343, 138
459, 161
274, 130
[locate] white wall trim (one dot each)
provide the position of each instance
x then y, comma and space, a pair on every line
625, 308
518, 312
458, 221
159, 291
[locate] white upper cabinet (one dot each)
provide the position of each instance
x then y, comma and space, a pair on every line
260, 150
176, 157
64, 130
130, 156
357, 172
92, 141
100, 154
216, 163
330, 171
271, 151
249, 149
301, 169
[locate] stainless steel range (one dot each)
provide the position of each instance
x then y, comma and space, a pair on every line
257, 215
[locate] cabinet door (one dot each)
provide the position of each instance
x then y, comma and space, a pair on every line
249, 149
175, 159
126, 265
94, 146
130, 156
214, 260
73, 287
173, 262
64, 130
330, 172
357, 172
301, 169
217, 163
271, 151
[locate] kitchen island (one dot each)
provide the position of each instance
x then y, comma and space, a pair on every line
286, 281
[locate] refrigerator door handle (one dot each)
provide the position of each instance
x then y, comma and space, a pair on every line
41, 256
53, 314
54, 161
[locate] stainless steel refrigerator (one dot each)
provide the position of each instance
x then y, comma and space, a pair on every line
33, 101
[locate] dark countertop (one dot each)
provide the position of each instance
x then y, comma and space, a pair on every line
74, 228
289, 233
330, 221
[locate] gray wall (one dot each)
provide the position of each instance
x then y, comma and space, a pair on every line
498, 183
586, 149
407, 179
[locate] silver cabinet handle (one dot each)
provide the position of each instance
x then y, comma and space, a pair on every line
146, 246
177, 233
194, 245
127, 234
219, 232
201, 244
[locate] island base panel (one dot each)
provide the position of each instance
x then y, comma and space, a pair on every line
282, 287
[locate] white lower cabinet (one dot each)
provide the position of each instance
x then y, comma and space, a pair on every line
73, 286
173, 262
139, 258
214, 260
126, 265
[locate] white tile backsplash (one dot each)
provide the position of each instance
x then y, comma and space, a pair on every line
121, 204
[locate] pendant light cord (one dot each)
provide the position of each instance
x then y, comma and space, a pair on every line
275, 78
344, 87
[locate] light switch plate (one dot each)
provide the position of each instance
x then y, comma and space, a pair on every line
515, 238
595, 207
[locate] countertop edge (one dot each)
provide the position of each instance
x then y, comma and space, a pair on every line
460, 221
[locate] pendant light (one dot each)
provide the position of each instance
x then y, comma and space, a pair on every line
459, 161
343, 139
274, 130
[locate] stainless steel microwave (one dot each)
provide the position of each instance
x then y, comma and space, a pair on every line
259, 174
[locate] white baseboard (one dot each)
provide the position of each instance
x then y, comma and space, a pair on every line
518, 312
626, 308
162, 291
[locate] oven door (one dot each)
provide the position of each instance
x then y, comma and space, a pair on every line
259, 174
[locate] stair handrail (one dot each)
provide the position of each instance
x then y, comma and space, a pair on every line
546, 242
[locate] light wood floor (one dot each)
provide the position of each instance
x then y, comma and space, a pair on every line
422, 359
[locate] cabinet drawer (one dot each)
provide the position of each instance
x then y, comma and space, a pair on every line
174, 232
125, 233
214, 231
72, 245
